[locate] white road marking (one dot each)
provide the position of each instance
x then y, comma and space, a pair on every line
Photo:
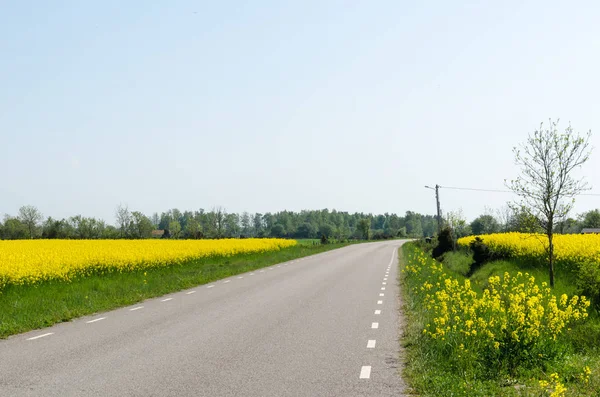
93, 321
371, 344
240, 277
191, 292
279, 266
383, 288
380, 302
262, 271
166, 300
365, 372
136, 308
41, 336
385, 279
381, 294
375, 325
377, 311
226, 281
392, 259
210, 286
252, 274
384, 283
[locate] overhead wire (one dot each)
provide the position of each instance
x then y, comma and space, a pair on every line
502, 191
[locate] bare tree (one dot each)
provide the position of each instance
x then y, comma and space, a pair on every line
546, 185
30, 217
123, 218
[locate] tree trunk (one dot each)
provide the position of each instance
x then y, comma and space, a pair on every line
551, 258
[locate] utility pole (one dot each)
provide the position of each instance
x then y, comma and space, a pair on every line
439, 210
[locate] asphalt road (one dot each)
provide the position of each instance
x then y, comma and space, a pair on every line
326, 325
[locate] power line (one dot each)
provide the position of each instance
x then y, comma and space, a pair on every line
502, 191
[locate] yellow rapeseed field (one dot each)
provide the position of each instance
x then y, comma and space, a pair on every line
33, 261
569, 249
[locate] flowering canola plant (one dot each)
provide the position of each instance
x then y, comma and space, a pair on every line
569, 249
513, 321
33, 261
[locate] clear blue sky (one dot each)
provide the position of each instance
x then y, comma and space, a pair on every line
269, 105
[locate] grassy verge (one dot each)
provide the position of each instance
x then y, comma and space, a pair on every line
434, 366
23, 308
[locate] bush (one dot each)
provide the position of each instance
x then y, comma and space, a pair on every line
445, 243
324, 239
481, 254
588, 280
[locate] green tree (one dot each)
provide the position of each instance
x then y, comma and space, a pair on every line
546, 185
591, 219
141, 225
327, 230
364, 226
306, 230
277, 231
175, 229
14, 229
30, 217
485, 224
123, 217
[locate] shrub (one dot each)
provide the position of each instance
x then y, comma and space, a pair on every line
481, 254
588, 280
445, 243
324, 239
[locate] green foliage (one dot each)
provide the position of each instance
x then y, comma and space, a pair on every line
364, 226
592, 219
217, 223
445, 243
588, 280
485, 224
278, 231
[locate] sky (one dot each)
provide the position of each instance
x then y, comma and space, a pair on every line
266, 106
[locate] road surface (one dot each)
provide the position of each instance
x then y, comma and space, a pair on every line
325, 325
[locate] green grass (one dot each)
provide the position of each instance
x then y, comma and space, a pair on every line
23, 308
430, 375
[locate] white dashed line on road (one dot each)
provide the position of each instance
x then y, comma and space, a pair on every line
371, 344
374, 325
365, 372
226, 281
262, 271
383, 288
41, 336
377, 311
166, 300
93, 321
136, 308
210, 286
380, 302
191, 292
384, 283
381, 294
240, 277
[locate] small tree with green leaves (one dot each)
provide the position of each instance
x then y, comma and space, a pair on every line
546, 185
30, 217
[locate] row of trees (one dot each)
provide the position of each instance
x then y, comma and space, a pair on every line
217, 223
517, 220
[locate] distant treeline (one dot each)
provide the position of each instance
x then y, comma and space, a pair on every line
217, 223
